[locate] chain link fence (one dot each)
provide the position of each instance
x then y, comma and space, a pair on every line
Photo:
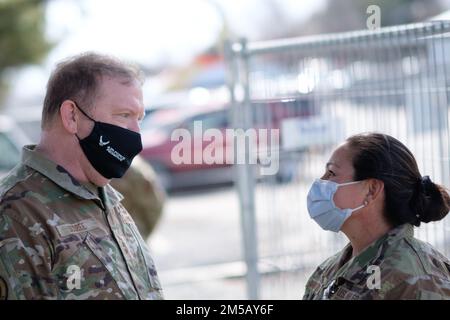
317, 91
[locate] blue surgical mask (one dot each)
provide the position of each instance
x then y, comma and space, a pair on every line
321, 205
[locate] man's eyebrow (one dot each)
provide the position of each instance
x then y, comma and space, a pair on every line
132, 110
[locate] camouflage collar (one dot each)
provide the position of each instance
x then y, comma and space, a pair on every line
112, 196
64, 179
355, 268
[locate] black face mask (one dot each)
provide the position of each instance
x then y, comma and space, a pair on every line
109, 148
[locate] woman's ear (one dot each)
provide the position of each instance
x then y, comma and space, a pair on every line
376, 188
69, 117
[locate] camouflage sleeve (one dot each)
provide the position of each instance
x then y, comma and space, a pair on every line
312, 285
25, 260
397, 285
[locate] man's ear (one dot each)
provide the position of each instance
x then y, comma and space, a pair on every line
69, 117
376, 188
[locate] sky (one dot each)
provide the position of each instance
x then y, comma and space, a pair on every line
148, 32
157, 31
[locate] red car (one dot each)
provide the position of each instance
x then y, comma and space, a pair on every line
158, 146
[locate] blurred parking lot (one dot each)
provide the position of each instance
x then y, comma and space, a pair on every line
198, 251
196, 245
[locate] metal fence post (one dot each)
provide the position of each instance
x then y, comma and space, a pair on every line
241, 117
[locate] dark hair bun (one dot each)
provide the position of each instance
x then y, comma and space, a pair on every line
431, 202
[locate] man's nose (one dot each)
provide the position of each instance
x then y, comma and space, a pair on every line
134, 126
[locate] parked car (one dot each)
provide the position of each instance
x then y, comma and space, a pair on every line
158, 146
158, 143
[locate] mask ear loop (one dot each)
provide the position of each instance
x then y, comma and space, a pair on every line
360, 207
349, 183
84, 113
365, 203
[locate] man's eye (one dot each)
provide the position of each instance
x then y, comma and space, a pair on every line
331, 173
125, 115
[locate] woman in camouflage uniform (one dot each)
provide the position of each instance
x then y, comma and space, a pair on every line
377, 177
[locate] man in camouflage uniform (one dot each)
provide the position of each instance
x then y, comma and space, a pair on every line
143, 195
63, 232
396, 266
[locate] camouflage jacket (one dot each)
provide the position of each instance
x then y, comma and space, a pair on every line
60, 239
396, 266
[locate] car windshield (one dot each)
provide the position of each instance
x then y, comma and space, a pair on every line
9, 154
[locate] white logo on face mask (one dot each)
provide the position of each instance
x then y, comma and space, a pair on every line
110, 150
102, 143
115, 154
